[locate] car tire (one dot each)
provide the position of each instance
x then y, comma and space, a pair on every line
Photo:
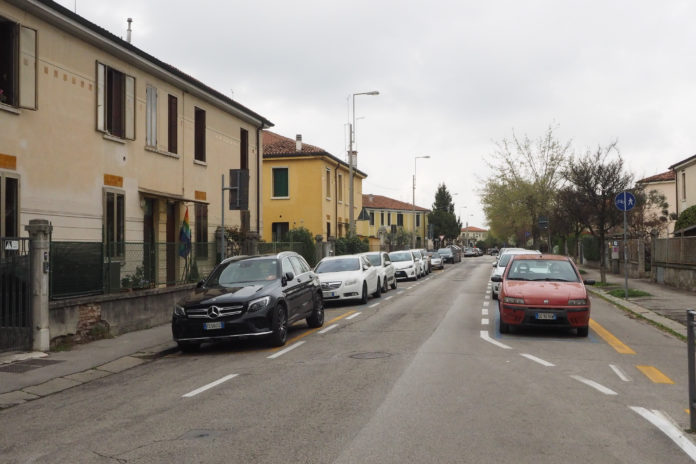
363, 299
188, 347
385, 285
494, 295
583, 331
378, 292
316, 319
393, 285
504, 328
279, 326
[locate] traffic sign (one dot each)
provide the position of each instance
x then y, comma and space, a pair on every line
625, 201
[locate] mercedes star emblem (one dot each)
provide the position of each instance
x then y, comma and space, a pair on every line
213, 312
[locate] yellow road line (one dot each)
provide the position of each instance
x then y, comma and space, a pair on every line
310, 332
614, 342
654, 374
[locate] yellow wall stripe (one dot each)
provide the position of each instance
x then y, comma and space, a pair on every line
654, 374
614, 342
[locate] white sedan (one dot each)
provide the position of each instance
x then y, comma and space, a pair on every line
350, 277
385, 268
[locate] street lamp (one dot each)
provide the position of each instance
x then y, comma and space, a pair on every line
351, 160
413, 240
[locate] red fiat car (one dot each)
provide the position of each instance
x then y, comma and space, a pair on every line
543, 291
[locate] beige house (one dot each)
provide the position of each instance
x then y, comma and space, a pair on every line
685, 183
470, 235
665, 184
111, 144
382, 216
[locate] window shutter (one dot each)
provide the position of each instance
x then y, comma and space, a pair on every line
27, 68
151, 116
173, 124
239, 189
130, 108
101, 84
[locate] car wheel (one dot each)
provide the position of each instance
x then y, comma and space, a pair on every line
378, 292
494, 295
188, 347
363, 299
393, 285
583, 331
280, 327
385, 285
316, 319
504, 328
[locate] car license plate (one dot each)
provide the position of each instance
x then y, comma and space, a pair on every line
329, 294
546, 316
213, 325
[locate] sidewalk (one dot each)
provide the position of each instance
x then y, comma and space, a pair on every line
28, 376
665, 305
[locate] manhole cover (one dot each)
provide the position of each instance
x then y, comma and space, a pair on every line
27, 365
376, 355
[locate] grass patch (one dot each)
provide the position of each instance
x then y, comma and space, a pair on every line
605, 284
582, 271
632, 293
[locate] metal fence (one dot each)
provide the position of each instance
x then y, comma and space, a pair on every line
678, 250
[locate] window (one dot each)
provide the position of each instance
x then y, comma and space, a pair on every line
280, 230
381, 218
114, 224
340, 187
9, 206
400, 219
243, 149
172, 124
201, 236
328, 230
115, 102
418, 216
280, 183
683, 182
239, 189
17, 65
328, 184
372, 218
151, 116
199, 137
388, 219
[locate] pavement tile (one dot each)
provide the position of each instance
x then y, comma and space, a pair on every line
15, 397
52, 386
87, 376
121, 364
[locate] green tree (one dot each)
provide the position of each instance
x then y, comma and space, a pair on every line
442, 216
304, 238
350, 245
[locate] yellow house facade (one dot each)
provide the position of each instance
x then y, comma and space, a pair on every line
112, 145
382, 216
305, 186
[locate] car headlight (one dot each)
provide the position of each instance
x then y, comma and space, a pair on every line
578, 302
351, 282
410, 266
513, 300
179, 311
259, 304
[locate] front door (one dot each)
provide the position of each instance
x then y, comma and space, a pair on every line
149, 239
171, 244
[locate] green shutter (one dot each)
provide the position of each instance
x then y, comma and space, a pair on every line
280, 182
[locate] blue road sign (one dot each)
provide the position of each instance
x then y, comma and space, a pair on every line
625, 201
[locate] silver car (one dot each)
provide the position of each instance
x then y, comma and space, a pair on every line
502, 263
385, 268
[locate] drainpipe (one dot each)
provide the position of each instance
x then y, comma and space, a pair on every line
259, 154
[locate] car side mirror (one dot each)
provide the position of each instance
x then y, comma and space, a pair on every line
496, 278
200, 284
289, 276
589, 282
495, 264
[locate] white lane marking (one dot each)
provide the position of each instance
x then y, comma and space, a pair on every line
409, 288
486, 303
331, 327
486, 298
659, 420
210, 385
486, 337
537, 360
621, 374
400, 292
282, 352
484, 311
389, 298
372, 306
352, 316
594, 385
484, 321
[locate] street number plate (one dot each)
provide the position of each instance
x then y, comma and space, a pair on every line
213, 325
546, 316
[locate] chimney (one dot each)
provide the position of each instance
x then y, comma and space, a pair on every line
128, 36
372, 198
298, 142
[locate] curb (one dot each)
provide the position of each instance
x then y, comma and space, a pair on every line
58, 384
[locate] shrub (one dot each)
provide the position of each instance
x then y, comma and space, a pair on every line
687, 218
590, 246
351, 245
303, 236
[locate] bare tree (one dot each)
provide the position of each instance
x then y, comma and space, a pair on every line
596, 180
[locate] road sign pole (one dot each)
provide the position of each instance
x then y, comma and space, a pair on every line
625, 251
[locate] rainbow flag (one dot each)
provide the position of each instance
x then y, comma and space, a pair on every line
185, 237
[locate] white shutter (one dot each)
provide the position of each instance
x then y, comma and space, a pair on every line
130, 108
27, 68
151, 116
101, 97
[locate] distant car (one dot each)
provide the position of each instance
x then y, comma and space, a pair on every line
502, 262
405, 264
446, 254
436, 260
385, 268
543, 291
426, 257
249, 296
470, 252
457, 252
348, 277
492, 251
420, 262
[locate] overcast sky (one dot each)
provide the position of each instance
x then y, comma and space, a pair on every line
454, 77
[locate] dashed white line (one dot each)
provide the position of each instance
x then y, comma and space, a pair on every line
621, 374
595, 385
486, 303
373, 305
282, 352
352, 316
389, 298
484, 321
659, 420
409, 288
537, 360
484, 311
486, 337
331, 327
209, 386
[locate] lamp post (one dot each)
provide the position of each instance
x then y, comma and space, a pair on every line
351, 160
413, 240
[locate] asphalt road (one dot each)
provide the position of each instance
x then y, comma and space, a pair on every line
420, 375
